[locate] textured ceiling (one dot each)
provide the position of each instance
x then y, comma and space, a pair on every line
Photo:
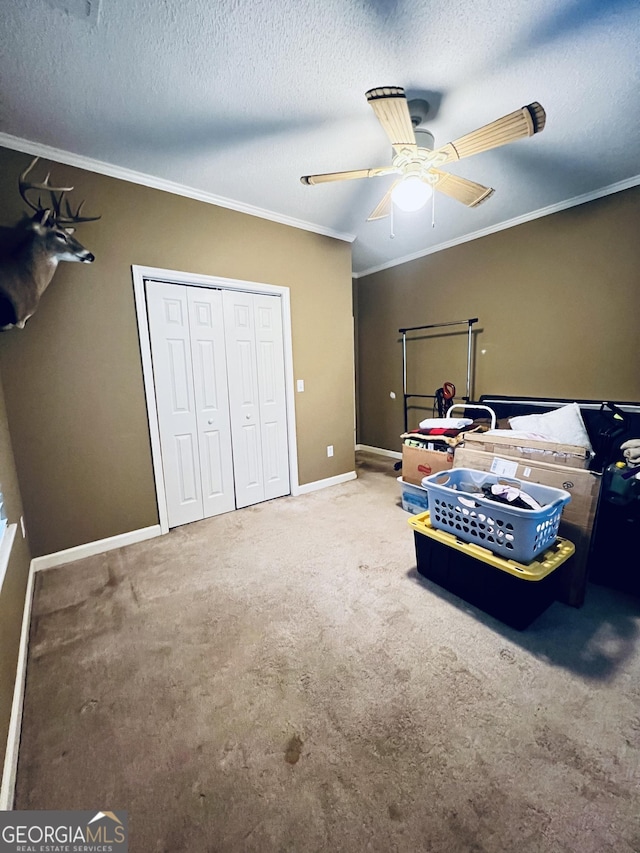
238, 98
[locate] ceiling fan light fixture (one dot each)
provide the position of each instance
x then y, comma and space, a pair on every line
412, 193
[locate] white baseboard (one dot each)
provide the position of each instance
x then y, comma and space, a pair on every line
323, 484
70, 555
10, 769
5, 550
394, 454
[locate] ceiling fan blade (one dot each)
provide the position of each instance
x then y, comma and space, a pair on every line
384, 206
389, 103
518, 124
468, 192
348, 176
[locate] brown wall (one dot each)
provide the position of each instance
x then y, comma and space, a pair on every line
73, 379
558, 302
15, 581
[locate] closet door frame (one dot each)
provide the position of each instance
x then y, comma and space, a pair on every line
140, 275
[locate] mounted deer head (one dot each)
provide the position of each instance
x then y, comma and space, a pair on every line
27, 268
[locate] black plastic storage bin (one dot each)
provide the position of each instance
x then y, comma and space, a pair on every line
515, 594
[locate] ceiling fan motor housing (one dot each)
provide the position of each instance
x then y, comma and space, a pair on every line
424, 139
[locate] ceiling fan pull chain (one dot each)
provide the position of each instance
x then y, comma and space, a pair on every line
391, 234
433, 210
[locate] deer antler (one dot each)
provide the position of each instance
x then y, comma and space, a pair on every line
24, 187
69, 218
60, 218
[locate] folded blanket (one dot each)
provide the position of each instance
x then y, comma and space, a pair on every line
445, 423
517, 433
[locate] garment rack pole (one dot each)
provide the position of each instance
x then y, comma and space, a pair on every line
469, 323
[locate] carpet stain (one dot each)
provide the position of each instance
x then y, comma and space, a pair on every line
112, 579
507, 655
134, 594
305, 680
447, 654
89, 705
394, 812
293, 750
565, 751
633, 738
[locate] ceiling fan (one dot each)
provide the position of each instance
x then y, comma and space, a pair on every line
416, 161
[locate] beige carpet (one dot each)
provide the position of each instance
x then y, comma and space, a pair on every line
281, 679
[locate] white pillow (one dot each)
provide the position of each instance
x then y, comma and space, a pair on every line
564, 425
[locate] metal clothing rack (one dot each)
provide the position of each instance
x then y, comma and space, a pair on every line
403, 332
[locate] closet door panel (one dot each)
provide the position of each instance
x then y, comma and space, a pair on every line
213, 461
250, 450
243, 397
271, 455
186, 455
206, 321
272, 393
173, 379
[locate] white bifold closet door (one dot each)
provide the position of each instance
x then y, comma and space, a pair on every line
255, 358
190, 376
218, 369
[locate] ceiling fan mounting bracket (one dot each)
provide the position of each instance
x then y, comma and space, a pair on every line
418, 111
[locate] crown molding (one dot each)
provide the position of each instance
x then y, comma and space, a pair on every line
38, 149
628, 183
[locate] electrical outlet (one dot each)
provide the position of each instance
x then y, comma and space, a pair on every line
330, 450
300, 384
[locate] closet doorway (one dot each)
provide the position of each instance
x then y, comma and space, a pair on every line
218, 379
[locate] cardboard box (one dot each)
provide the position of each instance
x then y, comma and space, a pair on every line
418, 463
535, 450
578, 516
